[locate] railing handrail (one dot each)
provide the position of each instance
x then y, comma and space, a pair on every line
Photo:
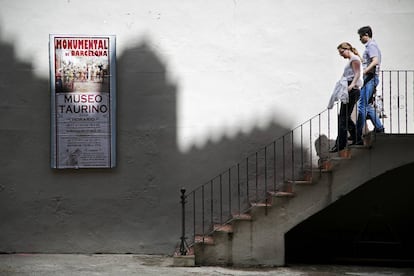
261, 148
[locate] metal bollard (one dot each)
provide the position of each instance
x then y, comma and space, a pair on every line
183, 244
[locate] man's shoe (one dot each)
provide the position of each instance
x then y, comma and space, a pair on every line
380, 130
358, 143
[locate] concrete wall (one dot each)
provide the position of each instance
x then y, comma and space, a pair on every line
200, 85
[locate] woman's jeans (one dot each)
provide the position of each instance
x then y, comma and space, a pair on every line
345, 122
366, 110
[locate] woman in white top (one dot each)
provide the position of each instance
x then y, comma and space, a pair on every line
353, 74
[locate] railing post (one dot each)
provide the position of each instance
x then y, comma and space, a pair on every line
183, 244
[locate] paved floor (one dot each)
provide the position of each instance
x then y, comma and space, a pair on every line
154, 265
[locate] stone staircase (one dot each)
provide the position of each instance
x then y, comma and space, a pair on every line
256, 238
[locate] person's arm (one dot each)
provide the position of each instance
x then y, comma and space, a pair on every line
356, 65
370, 67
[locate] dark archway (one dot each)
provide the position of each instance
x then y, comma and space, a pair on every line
372, 225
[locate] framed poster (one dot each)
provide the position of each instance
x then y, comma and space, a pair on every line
83, 101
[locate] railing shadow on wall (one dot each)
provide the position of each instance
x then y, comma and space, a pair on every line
279, 165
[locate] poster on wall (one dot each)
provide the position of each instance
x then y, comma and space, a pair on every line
83, 101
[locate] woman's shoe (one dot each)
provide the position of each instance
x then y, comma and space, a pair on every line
334, 149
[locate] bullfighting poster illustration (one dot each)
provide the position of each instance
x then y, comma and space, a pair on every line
83, 101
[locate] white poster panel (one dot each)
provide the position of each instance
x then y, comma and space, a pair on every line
83, 101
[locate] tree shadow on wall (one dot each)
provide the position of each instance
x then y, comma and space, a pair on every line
148, 147
133, 208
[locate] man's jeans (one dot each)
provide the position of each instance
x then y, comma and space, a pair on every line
365, 109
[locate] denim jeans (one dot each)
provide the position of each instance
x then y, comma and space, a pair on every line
367, 110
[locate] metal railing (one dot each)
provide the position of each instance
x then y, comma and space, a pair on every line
396, 87
279, 165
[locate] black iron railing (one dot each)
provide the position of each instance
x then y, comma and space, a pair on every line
279, 165
396, 89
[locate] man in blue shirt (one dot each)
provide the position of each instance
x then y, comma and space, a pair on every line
371, 65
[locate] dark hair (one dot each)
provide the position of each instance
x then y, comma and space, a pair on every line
365, 31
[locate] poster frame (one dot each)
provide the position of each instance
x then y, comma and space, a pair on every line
59, 130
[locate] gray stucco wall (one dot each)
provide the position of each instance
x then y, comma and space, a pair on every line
231, 60
132, 208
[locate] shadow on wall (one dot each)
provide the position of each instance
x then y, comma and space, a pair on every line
133, 208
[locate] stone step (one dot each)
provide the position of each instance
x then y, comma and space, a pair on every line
326, 165
282, 194
345, 153
315, 174
187, 260
321, 169
300, 182
241, 217
289, 185
200, 239
359, 146
261, 204
227, 228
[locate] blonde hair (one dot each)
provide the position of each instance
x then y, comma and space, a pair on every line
348, 46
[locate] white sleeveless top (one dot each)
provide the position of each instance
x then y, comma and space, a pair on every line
349, 72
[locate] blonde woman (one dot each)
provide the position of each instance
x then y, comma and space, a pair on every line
353, 75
